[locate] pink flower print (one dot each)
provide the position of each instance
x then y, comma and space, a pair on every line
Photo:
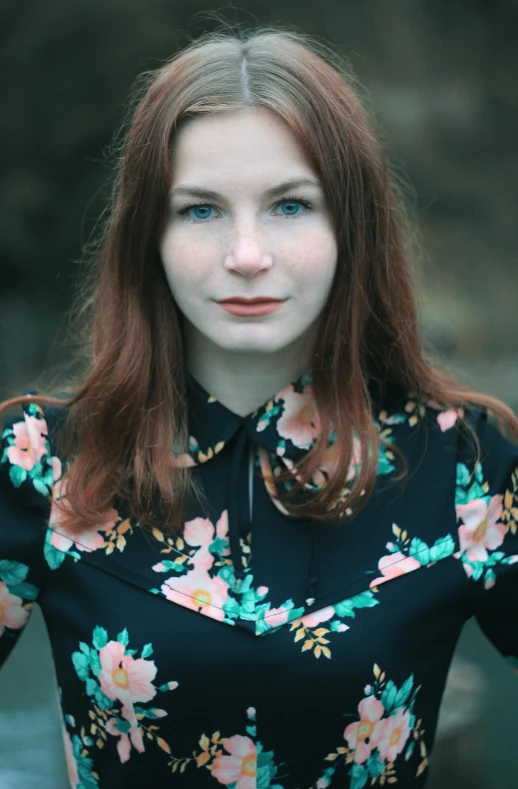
276, 616
300, 421
70, 759
330, 462
184, 460
316, 617
394, 735
355, 458
393, 565
200, 531
30, 442
447, 419
56, 468
11, 612
342, 627
240, 767
87, 540
125, 742
482, 528
363, 735
128, 680
199, 592
124, 678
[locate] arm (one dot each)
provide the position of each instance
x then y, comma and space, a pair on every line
27, 474
487, 521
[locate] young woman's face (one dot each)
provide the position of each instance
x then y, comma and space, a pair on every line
246, 240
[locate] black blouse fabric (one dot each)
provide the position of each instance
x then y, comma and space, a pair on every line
255, 650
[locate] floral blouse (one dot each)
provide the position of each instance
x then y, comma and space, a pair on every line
255, 650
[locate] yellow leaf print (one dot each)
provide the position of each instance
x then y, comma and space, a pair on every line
162, 744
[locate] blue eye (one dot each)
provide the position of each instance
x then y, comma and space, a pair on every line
203, 209
292, 202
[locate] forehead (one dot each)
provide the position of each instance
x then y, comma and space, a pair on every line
247, 142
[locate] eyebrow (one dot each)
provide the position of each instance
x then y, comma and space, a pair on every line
285, 186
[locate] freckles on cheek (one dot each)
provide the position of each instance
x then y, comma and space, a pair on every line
185, 259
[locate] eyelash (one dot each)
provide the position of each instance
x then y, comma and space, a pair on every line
307, 207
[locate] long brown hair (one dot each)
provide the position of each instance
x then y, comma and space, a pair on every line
128, 407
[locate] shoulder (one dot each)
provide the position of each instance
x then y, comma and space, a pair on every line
29, 463
467, 439
495, 460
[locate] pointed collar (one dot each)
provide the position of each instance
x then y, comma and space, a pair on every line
287, 424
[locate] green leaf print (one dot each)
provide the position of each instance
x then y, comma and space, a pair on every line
231, 608
147, 713
359, 776
174, 566
40, 486
248, 602
363, 600
375, 766
464, 492
12, 573
442, 548
246, 584
53, 556
404, 692
26, 591
266, 768
147, 650
476, 567
84, 765
18, 475
100, 637
80, 662
385, 466
123, 637
102, 701
420, 551
227, 574
91, 686
37, 470
94, 662
410, 749
388, 697
217, 546
122, 725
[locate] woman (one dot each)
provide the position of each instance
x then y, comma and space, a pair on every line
255, 530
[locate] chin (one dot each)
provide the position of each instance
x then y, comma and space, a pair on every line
252, 346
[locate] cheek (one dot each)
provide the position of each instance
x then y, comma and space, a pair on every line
184, 260
317, 261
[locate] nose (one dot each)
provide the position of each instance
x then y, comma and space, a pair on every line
247, 255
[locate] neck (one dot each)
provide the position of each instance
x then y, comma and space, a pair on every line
243, 381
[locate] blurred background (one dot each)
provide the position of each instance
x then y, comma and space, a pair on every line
441, 81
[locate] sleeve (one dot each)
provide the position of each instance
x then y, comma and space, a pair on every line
487, 522
27, 475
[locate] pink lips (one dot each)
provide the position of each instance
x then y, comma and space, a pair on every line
251, 307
